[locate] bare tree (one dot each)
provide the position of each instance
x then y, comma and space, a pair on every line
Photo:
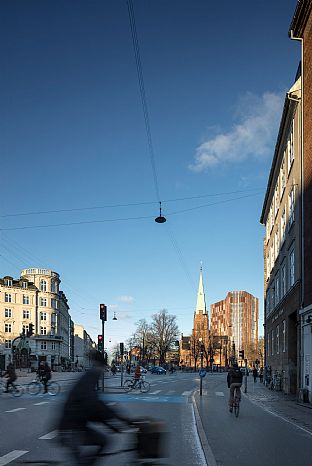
163, 331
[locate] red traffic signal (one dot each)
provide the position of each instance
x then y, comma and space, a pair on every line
100, 342
103, 312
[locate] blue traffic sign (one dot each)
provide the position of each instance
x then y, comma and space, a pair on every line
202, 372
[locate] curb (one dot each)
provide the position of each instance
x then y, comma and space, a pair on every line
210, 459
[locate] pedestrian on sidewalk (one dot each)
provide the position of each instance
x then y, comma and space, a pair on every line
261, 375
255, 374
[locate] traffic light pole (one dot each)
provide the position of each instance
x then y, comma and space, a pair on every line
245, 388
103, 351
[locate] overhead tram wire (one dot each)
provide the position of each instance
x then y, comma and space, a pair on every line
127, 218
132, 204
138, 62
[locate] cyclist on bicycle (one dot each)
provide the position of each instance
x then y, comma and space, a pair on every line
82, 407
44, 373
11, 375
137, 375
234, 381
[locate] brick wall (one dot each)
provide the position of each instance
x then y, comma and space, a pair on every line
307, 122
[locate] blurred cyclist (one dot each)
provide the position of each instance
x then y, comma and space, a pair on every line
82, 407
11, 375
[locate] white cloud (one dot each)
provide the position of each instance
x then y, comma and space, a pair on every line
126, 299
253, 134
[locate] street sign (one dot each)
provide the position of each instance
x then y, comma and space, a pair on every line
202, 372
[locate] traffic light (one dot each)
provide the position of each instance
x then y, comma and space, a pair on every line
100, 343
30, 330
241, 354
121, 349
103, 312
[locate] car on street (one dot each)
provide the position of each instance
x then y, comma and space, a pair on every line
143, 370
158, 370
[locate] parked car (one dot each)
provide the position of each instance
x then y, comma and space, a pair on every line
158, 370
143, 370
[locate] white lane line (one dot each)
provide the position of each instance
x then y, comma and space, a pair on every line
219, 393
11, 456
155, 392
14, 411
112, 403
187, 393
170, 392
41, 403
49, 436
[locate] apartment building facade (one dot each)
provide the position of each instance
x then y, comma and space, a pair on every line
234, 326
301, 29
282, 218
34, 300
83, 344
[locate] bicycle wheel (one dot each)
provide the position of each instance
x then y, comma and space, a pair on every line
34, 388
17, 390
53, 388
127, 386
236, 408
144, 386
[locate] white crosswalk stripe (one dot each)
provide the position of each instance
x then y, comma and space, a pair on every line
41, 403
14, 411
187, 393
155, 392
11, 456
49, 436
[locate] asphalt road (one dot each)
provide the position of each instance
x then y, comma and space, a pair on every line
28, 423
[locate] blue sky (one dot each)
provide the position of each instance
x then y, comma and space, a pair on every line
73, 138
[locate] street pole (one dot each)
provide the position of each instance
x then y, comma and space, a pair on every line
103, 351
245, 388
201, 378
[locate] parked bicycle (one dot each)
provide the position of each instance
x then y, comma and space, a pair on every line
14, 388
132, 384
37, 386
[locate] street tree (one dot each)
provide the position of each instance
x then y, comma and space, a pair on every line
163, 332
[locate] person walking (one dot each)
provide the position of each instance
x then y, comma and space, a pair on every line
261, 375
255, 374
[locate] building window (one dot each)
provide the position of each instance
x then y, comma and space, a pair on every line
25, 329
284, 335
277, 339
273, 303
291, 207
53, 345
282, 178
277, 243
43, 345
43, 316
8, 297
268, 266
43, 302
272, 342
8, 344
283, 281
53, 286
276, 200
8, 282
7, 312
271, 217
292, 268
272, 255
8, 328
54, 303
283, 225
290, 147
25, 299
43, 285
277, 289
26, 314
24, 284
43, 330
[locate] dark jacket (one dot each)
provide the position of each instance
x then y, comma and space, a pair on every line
235, 375
84, 405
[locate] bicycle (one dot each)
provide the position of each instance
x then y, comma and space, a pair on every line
14, 388
147, 446
36, 386
141, 384
236, 402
